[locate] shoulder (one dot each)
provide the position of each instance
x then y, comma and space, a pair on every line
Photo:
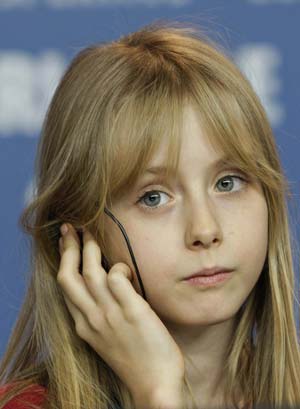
34, 394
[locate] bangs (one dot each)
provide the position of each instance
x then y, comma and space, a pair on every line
140, 127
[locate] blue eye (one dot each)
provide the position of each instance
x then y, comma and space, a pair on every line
230, 177
154, 195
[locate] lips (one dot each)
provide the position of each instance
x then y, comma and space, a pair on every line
209, 272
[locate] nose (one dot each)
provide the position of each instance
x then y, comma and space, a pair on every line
202, 226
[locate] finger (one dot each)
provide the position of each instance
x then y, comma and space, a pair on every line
94, 274
69, 278
90, 246
74, 311
81, 326
122, 289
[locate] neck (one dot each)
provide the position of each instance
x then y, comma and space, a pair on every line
205, 350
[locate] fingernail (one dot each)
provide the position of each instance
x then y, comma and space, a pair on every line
64, 229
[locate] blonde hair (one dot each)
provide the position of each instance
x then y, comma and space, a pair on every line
113, 106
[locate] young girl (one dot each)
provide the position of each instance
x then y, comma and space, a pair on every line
157, 155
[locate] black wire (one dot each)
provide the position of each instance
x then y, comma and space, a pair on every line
129, 248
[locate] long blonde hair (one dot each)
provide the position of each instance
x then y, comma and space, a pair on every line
111, 109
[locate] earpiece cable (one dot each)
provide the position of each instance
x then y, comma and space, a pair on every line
129, 248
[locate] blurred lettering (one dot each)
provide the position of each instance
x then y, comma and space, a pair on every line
260, 63
27, 85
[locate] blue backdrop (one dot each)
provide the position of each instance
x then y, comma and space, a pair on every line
38, 39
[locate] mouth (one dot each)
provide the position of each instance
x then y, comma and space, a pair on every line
207, 272
209, 280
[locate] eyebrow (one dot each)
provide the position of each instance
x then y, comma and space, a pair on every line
160, 170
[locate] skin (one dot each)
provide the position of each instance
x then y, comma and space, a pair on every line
196, 225
199, 222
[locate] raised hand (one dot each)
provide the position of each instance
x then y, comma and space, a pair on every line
119, 324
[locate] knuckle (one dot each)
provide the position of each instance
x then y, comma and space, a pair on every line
60, 277
136, 313
112, 317
133, 314
80, 329
95, 321
87, 274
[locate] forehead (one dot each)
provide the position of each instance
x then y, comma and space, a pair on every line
196, 149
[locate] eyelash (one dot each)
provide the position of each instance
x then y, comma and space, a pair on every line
151, 209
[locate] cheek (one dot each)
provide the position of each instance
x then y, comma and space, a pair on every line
251, 243
116, 246
254, 232
151, 251
154, 256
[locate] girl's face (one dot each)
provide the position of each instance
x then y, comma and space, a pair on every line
203, 219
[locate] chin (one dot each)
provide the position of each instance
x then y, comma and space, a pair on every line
198, 321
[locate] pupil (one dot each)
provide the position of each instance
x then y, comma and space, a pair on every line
152, 197
225, 182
